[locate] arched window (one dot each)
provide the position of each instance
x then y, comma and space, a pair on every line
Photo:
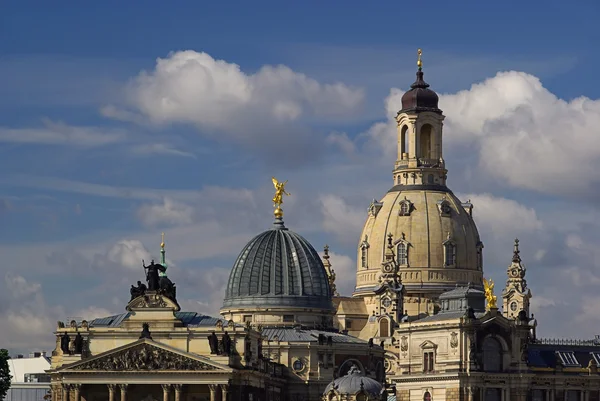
384, 328
405, 208
427, 396
449, 254
425, 141
402, 254
363, 257
492, 355
479, 256
403, 141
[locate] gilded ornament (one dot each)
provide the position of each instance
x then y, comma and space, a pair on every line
278, 198
488, 286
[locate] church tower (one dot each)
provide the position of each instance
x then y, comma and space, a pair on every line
516, 294
435, 241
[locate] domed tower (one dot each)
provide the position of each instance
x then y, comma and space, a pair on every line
279, 279
436, 243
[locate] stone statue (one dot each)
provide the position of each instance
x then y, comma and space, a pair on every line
146, 331
488, 286
226, 344
213, 341
167, 288
64, 343
78, 344
152, 275
138, 291
370, 342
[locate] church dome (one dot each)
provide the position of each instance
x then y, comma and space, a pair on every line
419, 97
278, 269
353, 383
435, 239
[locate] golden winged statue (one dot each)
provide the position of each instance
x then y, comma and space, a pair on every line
278, 198
488, 287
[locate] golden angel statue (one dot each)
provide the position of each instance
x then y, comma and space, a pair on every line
278, 198
488, 287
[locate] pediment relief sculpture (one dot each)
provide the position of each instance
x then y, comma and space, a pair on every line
144, 357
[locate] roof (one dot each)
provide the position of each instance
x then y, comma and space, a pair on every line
419, 97
278, 268
351, 306
551, 355
307, 335
353, 383
19, 367
447, 316
189, 319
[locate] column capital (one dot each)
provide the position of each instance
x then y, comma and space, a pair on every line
123, 386
111, 386
213, 387
66, 386
178, 387
166, 387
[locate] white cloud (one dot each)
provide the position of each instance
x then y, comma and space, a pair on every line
128, 253
19, 287
160, 149
501, 217
526, 136
192, 87
341, 219
58, 133
169, 212
345, 272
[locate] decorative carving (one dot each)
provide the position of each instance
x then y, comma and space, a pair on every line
78, 343
226, 344
144, 357
64, 343
453, 340
375, 207
150, 300
444, 207
404, 344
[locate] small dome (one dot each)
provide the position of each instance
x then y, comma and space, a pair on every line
353, 383
420, 97
278, 268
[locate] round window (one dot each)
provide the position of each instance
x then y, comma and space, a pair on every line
386, 302
513, 306
298, 365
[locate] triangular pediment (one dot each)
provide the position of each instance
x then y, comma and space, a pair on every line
145, 355
152, 300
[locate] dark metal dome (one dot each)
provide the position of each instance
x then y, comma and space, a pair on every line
420, 97
278, 268
353, 383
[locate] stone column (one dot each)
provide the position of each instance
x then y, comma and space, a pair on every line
213, 391
123, 388
166, 389
65, 392
111, 391
178, 388
77, 391
224, 391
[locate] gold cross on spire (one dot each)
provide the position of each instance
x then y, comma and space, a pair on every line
419, 61
162, 240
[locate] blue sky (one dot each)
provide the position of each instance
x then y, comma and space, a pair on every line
104, 146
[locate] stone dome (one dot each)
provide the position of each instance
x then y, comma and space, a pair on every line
278, 269
419, 97
355, 382
436, 243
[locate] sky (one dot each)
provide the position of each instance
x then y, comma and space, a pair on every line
119, 121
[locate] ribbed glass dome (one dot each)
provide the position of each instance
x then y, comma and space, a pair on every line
278, 268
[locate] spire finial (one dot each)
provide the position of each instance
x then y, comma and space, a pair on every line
163, 259
419, 61
516, 251
326, 252
278, 198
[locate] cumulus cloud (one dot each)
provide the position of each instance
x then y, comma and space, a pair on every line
218, 97
526, 136
340, 219
169, 212
128, 253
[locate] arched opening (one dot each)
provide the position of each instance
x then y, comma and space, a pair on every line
404, 142
427, 396
384, 328
402, 254
425, 141
492, 355
450, 254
